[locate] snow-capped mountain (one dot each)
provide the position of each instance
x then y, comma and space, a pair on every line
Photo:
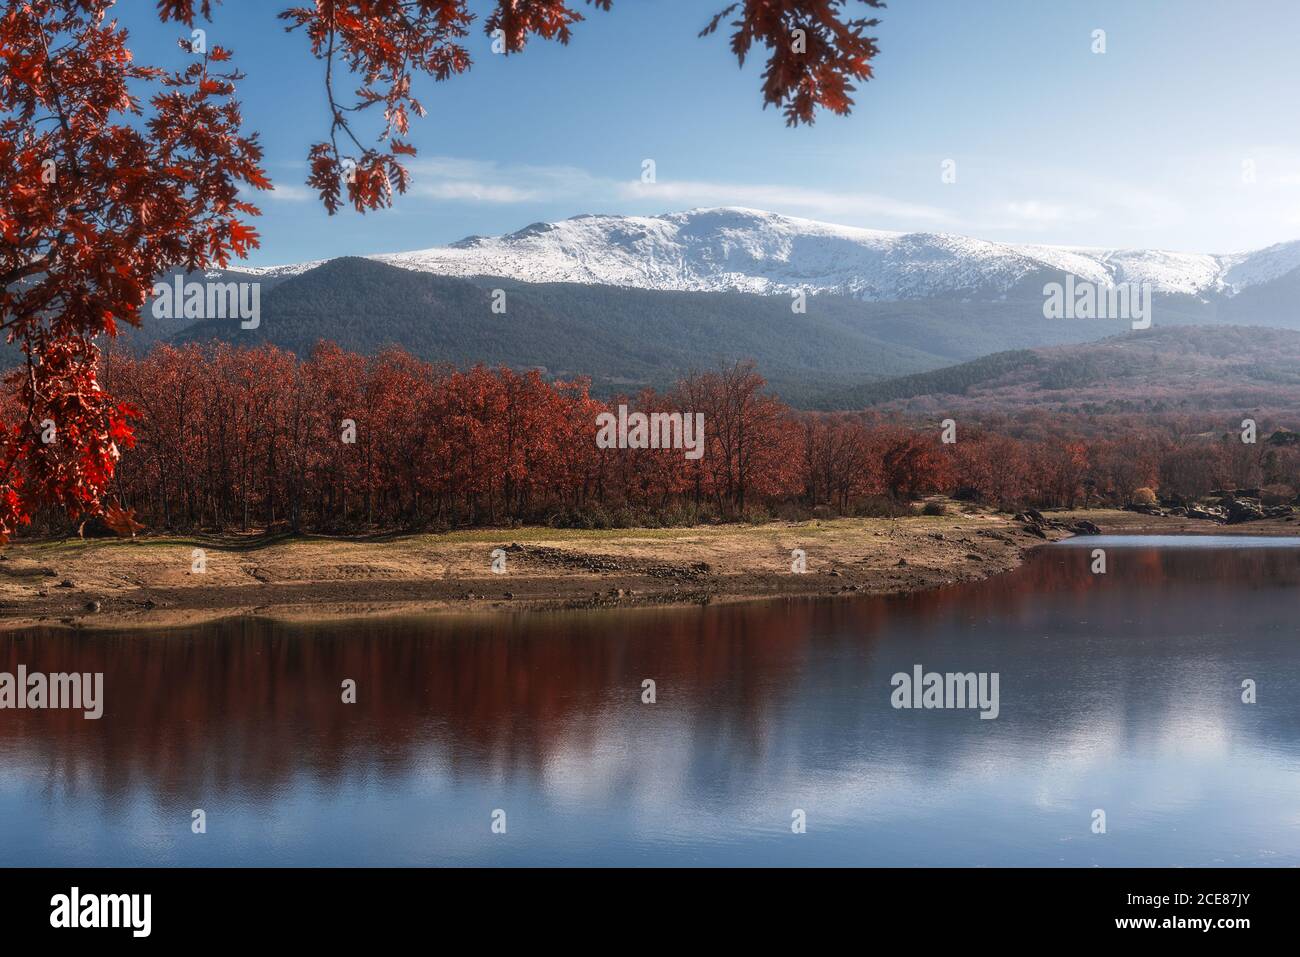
744, 250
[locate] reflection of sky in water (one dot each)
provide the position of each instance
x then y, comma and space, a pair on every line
1119, 692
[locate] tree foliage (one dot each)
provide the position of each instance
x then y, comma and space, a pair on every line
101, 192
92, 208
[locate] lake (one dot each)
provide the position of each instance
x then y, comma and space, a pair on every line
1118, 692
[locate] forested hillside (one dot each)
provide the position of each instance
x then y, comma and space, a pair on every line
1173, 369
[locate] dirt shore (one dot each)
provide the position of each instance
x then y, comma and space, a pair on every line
1117, 522
151, 581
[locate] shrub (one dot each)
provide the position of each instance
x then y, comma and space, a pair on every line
881, 507
1144, 496
587, 517
791, 511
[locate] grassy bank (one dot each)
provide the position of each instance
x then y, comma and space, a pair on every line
155, 581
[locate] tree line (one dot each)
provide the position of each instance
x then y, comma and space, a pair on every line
255, 438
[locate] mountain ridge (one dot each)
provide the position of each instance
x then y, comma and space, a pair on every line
737, 249
628, 338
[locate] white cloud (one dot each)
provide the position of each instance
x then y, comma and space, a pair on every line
1195, 202
288, 193
472, 191
479, 181
785, 199
1035, 213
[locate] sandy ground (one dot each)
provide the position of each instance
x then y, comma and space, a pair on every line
150, 582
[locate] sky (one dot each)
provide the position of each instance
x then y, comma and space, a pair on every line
1181, 135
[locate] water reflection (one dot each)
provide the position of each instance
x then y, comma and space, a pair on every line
1118, 691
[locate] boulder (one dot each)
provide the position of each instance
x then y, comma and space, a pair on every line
1239, 510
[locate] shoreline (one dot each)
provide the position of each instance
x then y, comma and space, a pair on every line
149, 582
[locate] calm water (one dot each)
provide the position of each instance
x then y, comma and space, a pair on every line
1119, 691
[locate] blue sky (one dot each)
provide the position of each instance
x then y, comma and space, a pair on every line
1182, 135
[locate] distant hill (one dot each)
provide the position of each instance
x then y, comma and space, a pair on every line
627, 338
1165, 369
636, 301
648, 299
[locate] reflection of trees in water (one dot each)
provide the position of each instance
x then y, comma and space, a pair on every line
244, 705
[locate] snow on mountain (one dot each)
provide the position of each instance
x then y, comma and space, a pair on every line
1169, 272
746, 250
1263, 265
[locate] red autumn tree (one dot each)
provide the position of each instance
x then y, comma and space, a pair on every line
992, 468
100, 195
745, 453
234, 438
836, 463
913, 464
92, 209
